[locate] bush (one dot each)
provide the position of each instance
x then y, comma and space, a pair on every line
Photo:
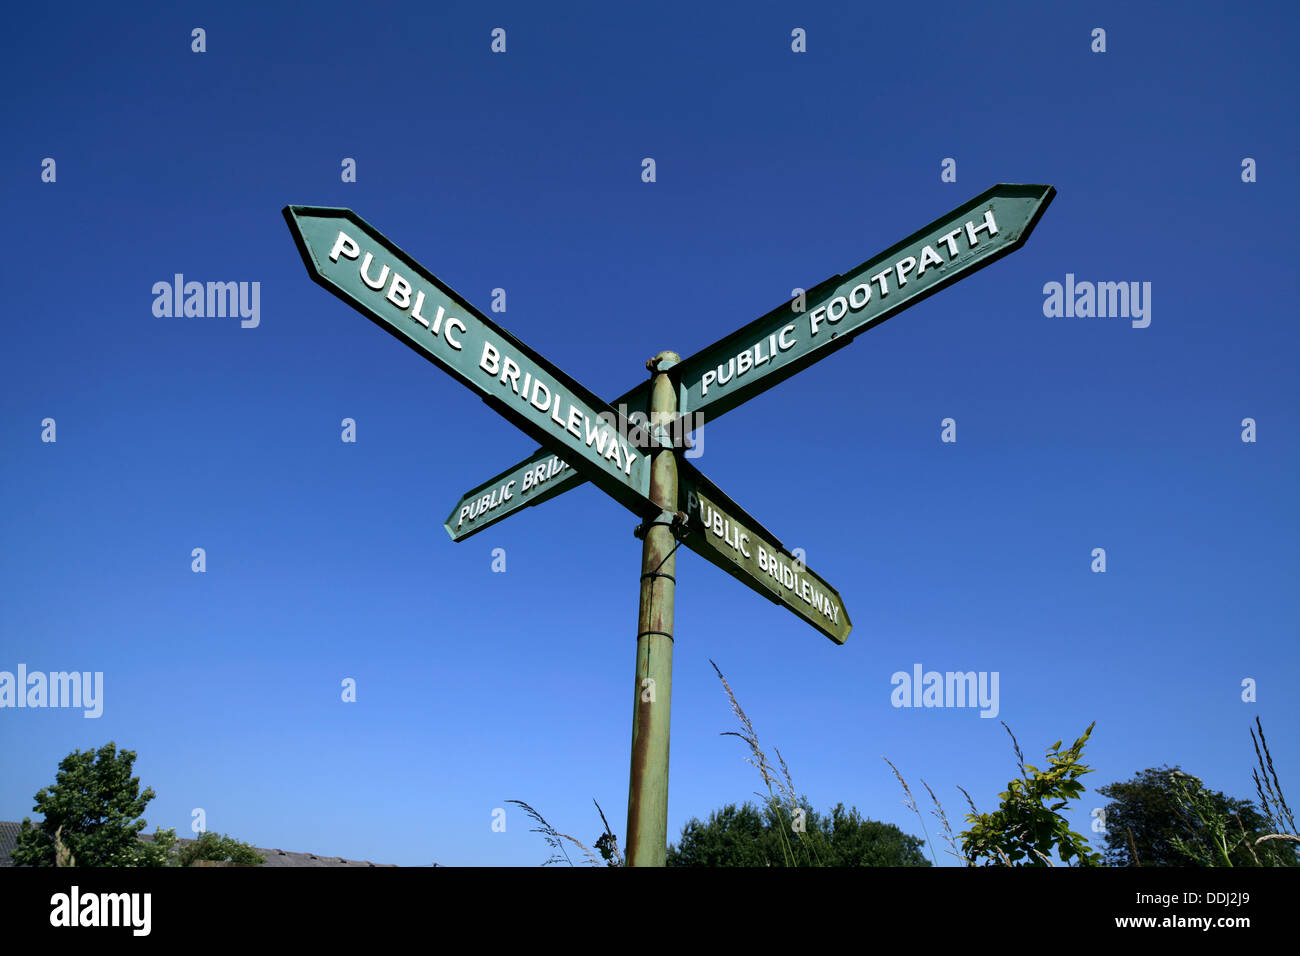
218, 849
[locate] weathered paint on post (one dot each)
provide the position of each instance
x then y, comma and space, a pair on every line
722, 532
647, 797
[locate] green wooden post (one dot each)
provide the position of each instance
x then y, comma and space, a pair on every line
647, 797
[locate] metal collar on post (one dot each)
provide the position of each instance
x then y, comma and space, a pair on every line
677, 522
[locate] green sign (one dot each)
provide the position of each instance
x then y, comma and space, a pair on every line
537, 479
774, 347
349, 257
497, 498
720, 531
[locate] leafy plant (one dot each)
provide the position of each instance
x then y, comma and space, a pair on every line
219, 849
607, 843
751, 835
1026, 826
1165, 817
90, 816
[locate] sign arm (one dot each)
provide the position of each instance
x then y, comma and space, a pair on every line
781, 343
355, 262
723, 533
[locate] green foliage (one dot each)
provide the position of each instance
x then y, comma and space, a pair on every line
1025, 829
607, 846
219, 849
607, 842
1165, 817
91, 814
1208, 841
771, 835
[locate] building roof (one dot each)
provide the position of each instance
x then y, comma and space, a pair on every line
9, 841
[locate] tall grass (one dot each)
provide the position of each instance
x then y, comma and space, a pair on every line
555, 839
781, 793
1271, 801
910, 802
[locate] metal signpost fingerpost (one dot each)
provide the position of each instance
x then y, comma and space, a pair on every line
631, 450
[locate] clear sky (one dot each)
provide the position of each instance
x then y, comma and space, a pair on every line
774, 169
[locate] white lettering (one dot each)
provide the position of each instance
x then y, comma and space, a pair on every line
346, 245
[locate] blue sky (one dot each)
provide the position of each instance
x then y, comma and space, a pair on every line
774, 170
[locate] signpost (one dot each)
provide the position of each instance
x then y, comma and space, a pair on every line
624, 449
784, 341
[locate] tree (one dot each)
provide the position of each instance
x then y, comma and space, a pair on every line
1169, 818
91, 813
750, 835
1024, 830
218, 849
